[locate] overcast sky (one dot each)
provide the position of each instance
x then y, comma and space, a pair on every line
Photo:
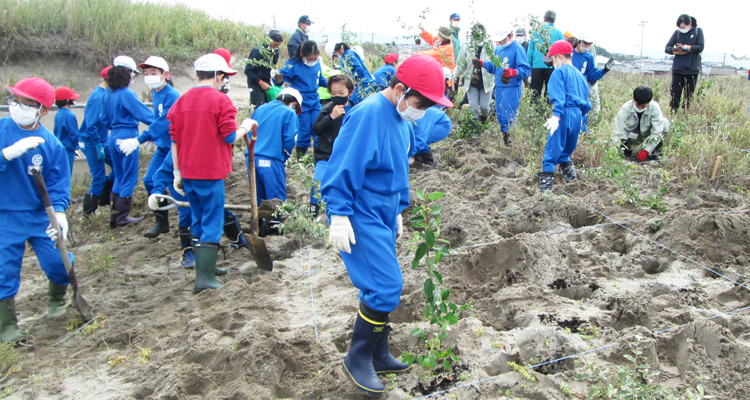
614, 25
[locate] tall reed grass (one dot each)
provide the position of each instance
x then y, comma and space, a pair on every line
95, 31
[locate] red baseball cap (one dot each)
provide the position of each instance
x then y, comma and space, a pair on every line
65, 93
425, 75
36, 89
560, 47
391, 58
225, 54
105, 71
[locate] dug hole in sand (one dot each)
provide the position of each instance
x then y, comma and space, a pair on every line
546, 283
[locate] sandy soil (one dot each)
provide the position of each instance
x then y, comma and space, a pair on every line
545, 283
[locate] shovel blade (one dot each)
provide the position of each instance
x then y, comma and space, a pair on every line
83, 307
260, 253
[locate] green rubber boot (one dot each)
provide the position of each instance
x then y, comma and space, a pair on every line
206, 254
9, 332
218, 271
56, 304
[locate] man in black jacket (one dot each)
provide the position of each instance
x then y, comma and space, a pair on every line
258, 69
300, 35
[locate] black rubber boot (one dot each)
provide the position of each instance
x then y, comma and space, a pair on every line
186, 243
161, 222
269, 226
545, 181
314, 210
569, 171
122, 207
358, 363
382, 360
114, 214
90, 204
425, 158
206, 254
9, 332
218, 271
104, 199
56, 304
300, 152
506, 139
233, 231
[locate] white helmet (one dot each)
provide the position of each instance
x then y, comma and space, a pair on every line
294, 93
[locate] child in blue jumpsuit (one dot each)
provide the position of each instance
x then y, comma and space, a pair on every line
27, 144
508, 79
584, 61
163, 95
327, 127
385, 73
569, 94
366, 187
66, 124
351, 62
93, 140
121, 113
432, 128
304, 74
277, 126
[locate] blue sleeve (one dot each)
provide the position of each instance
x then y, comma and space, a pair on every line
354, 151
91, 112
290, 128
405, 198
556, 91
72, 127
441, 130
137, 109
491, 68
104, 116
57, 180
231, 138
523, 69
593, 74
287, 72
530, 51
160, 127
322, 82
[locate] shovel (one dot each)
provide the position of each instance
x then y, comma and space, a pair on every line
257, 245
266, 210
79, 302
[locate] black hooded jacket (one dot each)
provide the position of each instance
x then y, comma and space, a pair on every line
690, 63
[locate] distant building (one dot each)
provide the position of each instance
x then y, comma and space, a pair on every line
718, 71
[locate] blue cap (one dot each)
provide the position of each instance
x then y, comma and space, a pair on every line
304, 20
455, 16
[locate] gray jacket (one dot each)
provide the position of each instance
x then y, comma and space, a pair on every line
652, 128
464, 67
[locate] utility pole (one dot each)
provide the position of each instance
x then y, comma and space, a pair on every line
373, 38
274, 21
643, 30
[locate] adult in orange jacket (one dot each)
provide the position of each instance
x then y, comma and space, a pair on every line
443, 51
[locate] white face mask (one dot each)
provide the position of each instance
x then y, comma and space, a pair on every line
24, 117
639, 111
584, 49
411, 114
557, 64
153, 81
308, 28
686, 30
519, 39
309, 63
456, 24
506, 44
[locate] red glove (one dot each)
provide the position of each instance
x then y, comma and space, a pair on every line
642, 155
478, 63
510, 73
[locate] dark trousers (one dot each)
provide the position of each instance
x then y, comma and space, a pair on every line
682, 83
257, 95
539, 80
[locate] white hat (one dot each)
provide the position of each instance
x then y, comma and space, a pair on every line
213, 62
127, 62
330, 45
585, 37
294, 93
155, 61
501, 34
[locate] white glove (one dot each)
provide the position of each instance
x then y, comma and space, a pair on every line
552, 124
153, 202
341, 233
128, 146
178, 183
400, 229
248, 124
63, 222
20, 147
